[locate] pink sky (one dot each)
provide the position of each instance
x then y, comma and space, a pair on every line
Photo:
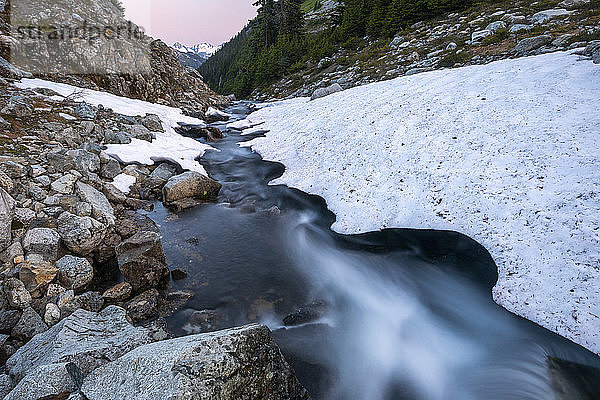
190, 21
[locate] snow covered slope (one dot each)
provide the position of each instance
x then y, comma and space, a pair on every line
169, 145
507, 153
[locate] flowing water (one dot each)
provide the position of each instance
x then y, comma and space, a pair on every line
404, 314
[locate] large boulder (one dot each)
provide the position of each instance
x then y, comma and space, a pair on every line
86, 339
54, 381
238, 363
142, 260
546, 15
322, 92
526, 45
74, 273
42, 241
190, 185
101, 208
7, 213
81, 235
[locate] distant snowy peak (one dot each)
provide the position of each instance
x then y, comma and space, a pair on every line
203, 49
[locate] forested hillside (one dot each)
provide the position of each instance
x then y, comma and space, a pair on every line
275, 43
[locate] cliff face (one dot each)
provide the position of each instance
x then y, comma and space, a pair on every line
89, 43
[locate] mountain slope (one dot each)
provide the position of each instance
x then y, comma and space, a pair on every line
196, 55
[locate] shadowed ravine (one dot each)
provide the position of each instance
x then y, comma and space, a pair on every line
409, 313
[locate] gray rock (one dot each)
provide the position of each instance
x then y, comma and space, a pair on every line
60, 161
101, 208
24, 215
547, 15
142, 260
131, 222
16, 293
6, 385
110, 168
53, 381
18, 106
190, 185
153, 123
4, 125
138, 132
6, 182
85, 161
161, 175
8, 319
42, 241
7, 213
14, 254
112, 137
80, 234
496, 26
85, 111
143, 306
239, 363
89, 301
526, 45
51, 314
43, 180
37, 193
86, 339
83, 209
13, 169
322, 92
113, 194
7, 70
64, 184
74, 272
29, 325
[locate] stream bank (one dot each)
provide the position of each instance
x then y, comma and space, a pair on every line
402, 314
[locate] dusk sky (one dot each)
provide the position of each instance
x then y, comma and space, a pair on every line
190, 21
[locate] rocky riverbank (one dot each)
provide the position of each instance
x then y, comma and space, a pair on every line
81, 262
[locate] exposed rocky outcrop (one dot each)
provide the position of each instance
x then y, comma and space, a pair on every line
85, 339
185, 190
239, 363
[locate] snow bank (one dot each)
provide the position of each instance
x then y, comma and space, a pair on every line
167, 146
507, 153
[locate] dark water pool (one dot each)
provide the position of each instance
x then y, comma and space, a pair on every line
408, 313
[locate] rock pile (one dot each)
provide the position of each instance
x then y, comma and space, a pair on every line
65, 215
